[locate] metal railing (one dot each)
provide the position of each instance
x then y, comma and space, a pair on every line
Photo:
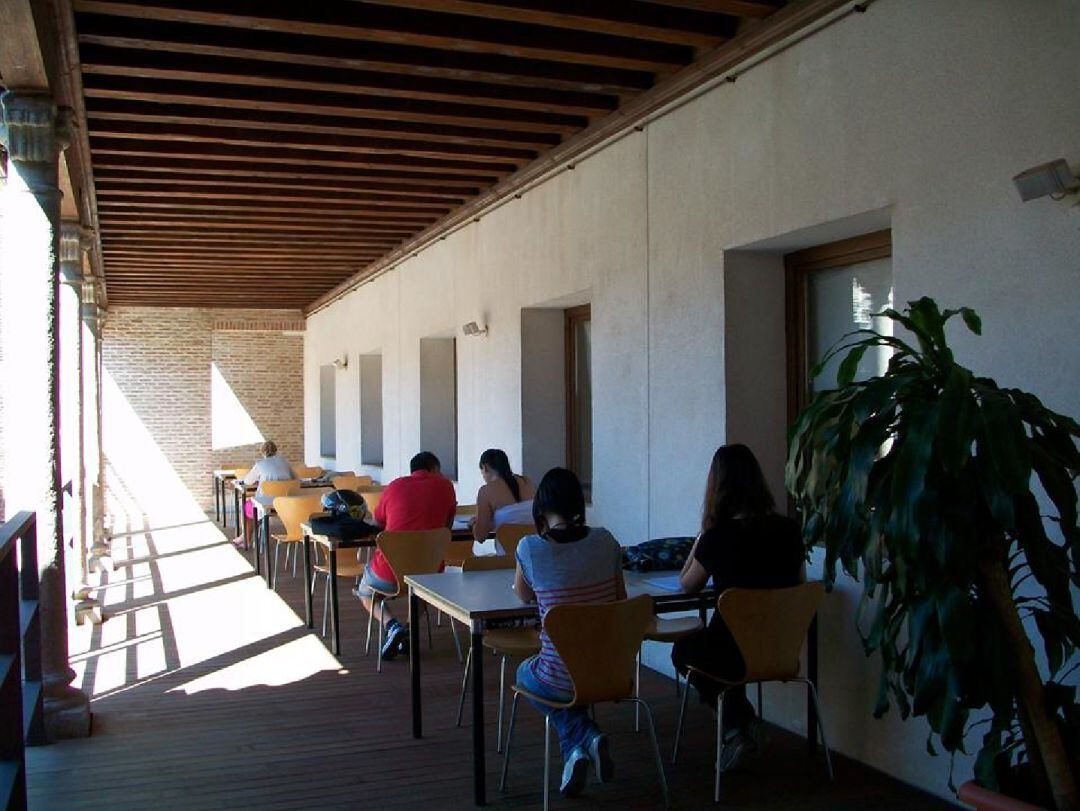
21, 719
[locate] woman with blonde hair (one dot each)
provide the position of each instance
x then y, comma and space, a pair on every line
272, 467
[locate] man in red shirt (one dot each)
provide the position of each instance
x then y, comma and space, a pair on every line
423, 500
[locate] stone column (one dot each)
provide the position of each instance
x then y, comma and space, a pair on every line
94, 317
34, 131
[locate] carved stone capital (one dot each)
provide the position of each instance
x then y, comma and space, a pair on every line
32, 128
73, 241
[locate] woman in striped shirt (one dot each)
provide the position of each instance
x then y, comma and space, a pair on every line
566, 562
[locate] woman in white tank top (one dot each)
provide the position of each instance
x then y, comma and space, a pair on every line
505, 497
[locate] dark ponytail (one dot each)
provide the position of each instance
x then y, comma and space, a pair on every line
497, 461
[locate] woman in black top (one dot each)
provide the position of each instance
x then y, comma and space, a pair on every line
743, 543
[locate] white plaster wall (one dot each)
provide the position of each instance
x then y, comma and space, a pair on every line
916, 114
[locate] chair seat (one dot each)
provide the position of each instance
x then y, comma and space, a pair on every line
343, 569
284, 538
628, 694
513, 641
664, 630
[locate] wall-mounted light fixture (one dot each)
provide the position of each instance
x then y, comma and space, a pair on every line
1054, 179
472, 328
342, 362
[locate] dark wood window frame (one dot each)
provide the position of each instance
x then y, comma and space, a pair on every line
574, 316
798, 267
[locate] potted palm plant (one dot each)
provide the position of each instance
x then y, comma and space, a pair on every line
954, 501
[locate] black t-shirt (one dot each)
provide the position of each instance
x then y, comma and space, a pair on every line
763, 552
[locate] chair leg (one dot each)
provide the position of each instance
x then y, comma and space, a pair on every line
382, 630
719, 744
682, 714
821, 728
547, 760
277, 553
509, 739
637, 693
295, 555
370, 619
454, 634
464, 687
656, 748
325, 605
502, 692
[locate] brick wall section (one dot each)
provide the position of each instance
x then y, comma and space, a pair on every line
160, 359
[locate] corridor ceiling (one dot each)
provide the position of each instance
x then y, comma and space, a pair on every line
258, 153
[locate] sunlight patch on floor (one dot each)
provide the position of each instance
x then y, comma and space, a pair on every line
291, 662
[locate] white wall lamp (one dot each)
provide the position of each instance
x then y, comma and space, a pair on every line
342, 362
1053, 179
472, 328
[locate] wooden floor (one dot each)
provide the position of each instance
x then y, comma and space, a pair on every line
208, 692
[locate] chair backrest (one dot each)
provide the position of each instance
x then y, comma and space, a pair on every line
350, 482
283, 488
770, 625
372, 499
487, 563
241, 472
414, 552
510, 535
458, 552
466, 509
598, 643
305, 472
295, 510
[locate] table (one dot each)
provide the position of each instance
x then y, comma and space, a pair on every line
218, 477
474, 598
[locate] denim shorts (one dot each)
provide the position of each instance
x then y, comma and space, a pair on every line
369, 583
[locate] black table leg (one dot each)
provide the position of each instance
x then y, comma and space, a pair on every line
266, 540
414, 663
479, 767
258, 550
307, 582
217, 501
335, 629
812, 674
236, 510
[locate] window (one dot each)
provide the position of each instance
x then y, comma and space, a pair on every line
327, 411
371, 422
438, 401
832, 290
578, 322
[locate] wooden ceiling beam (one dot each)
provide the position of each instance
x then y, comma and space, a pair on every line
291, 211
104, 61
279, 171
316, 103
365, 23
172, 191
275, 227
295, 49
132, 184
118, 110
302, 142
617, 17
128, 228
303, 157
124, 238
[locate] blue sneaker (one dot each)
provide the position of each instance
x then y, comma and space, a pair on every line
600, 755
574, 772
397, 639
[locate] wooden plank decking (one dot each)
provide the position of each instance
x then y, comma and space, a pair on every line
210, 693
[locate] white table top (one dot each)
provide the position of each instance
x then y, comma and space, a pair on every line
477, 596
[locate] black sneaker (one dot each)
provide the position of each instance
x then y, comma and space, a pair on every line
392, 645
575, 770
600, 754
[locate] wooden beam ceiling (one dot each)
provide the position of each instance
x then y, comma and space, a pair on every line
291, 145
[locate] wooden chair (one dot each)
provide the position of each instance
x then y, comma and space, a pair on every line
458, 552
507, 643
407, 553
465, 509
372, 498
271, 490
598, 643
350, 482
664, 630
769, 626
293, 511
349, 565
241, 472
305, 472
508, 536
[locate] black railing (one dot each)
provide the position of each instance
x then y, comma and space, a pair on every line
21, 720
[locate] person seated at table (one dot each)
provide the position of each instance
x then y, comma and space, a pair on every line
504, 498
567, 561
422, 500
272, 467
743, 543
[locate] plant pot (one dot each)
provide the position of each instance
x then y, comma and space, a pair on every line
983, 799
